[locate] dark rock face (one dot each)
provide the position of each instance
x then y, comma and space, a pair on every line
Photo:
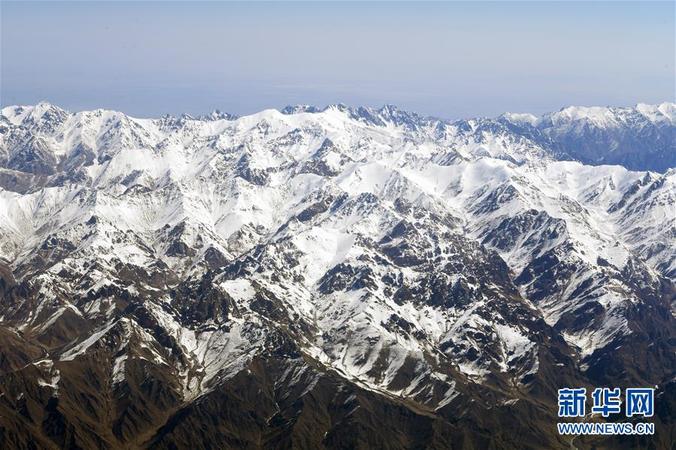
33, 156
639, 145
622, 136
252, 175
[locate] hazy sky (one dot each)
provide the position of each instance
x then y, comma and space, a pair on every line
445, 59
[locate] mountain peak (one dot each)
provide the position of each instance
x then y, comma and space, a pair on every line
297, 109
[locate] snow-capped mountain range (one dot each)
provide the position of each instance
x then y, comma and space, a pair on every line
348, 277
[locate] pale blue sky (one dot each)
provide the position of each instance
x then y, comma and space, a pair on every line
444, 59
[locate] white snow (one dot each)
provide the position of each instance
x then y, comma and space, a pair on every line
154, 186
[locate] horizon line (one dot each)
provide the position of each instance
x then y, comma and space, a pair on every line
318, 109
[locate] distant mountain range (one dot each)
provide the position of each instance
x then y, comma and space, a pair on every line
331, 277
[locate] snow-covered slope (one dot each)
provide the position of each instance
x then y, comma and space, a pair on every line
439, 263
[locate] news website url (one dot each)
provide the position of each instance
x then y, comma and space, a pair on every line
606, 428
